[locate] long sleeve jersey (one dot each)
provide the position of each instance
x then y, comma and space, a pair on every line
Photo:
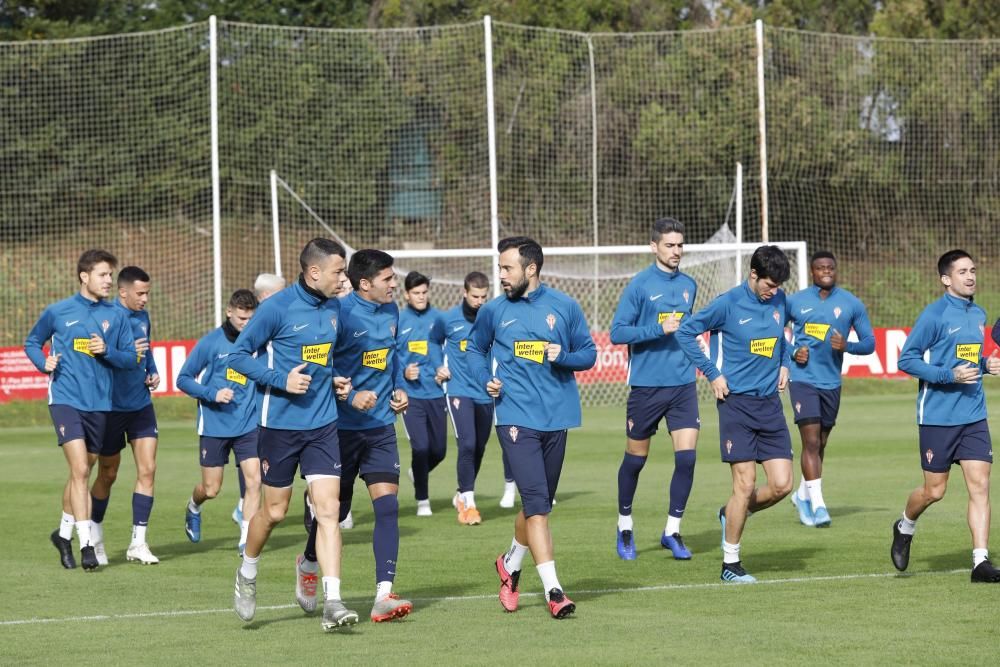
81, 380
747, 344
419, 340
296, 326
655, 358
536, 393
366, 353
130, 392
204, 373
952, 329
815, 319
462, 383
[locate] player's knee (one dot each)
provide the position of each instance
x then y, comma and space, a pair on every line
386, 506
274, 513
935, 492
211, 490
781, 487
327, 511
80, 471
743, 487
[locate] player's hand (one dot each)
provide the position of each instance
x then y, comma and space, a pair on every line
801, 355
399, 401
364, 400
993, 364
782, 379
442, 375
493, 387
97, 344
341, 387
141, 346
671, 324
298, 382
966, 374
412, 372
51, 362
224, 395
552, 351
153, 381
720, 387
837, 341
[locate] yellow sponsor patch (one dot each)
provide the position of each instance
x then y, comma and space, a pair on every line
968, 352
317, 354
418, 347
816, 330
664, 316
463, 344
763, 347
82, 345
375, 358
235, 376
532, 350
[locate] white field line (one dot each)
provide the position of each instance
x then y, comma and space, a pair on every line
464, 598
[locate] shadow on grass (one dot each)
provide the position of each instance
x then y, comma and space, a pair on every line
949, 560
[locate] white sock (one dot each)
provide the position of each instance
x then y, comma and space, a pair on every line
509, 486
244, 530
249, 567
382, 590
907, 527
426, 502
331, 588
83, 533
66, 526
547, 573
309, 566
815, 487
194, 507
138, 535
979, 555
469, 498
515, 555
240, 504
730, 553
803, 491
673, 525
96, 532
624, 522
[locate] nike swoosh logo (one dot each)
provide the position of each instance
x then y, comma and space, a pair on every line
223, 356
406, 331
628, 507
299, 327
508, 322
654, 298
336, 466
805, 310
396, 465
951, 331
69, 324
746, 320
359, 334
458, 328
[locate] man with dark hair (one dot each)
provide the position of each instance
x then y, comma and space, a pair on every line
131, 419
89, 338
366, 356
662, 381
537, 338
748, 367
418, 346
227, 415
471, 408
299, 327
951, 410
823, 316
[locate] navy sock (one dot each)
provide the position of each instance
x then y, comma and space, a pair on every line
243, 481
309, 553
682, 481
98, 507
628, 480
142, 507
385, 539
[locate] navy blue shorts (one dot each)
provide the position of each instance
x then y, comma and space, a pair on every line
73, 424
941, 446
536, 459
215, 451
812, 405
753, 428
314, 451
127, 427
648, 405
372, 450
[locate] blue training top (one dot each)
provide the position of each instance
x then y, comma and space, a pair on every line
204, 373
655, 358
462, 383
536, 393
815, 319
953, 330
130, 392
82, 380
747, 344
419, 340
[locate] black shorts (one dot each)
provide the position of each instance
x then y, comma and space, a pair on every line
648, 405
214, 452
314, 451
536, 459
128, 427
942, 446
753, 428
73, 424
812, 405
373, 450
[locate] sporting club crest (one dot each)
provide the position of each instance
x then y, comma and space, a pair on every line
929, 455
333, 323
837, 311
265, 466
550, 319
105, 325
777, 317
687, 296
630, 425
62, 430
392, 330
798, 407
455, 402
143, 328
204, 454
513, 433
729, 446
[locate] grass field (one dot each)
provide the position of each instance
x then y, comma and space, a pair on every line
826, 596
